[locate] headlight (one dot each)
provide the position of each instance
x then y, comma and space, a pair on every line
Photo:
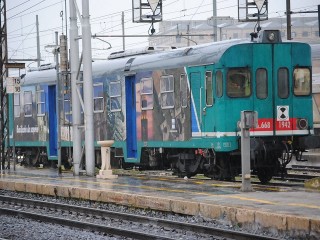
302, 123
271, 36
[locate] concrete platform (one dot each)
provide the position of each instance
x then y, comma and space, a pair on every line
294, 211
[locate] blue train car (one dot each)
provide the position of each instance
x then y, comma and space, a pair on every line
181, 108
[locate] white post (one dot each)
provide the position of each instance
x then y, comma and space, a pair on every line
88, 89
106, 171
76, 108
248, 120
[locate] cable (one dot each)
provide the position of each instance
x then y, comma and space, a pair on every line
21, 42
26, 9
15, 16
18, 5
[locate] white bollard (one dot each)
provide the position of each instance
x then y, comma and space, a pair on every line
106, 172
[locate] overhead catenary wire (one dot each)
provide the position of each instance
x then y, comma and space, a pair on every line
18, 5
117, 27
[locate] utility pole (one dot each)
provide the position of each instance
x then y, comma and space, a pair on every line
38, 42
4, 113
214, 20
88, 89
58, 96
288, 12
123, 38
188, 29
76, 108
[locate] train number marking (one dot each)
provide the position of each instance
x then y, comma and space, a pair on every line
284, 124
265, 125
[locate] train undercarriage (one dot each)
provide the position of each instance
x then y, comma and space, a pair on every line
268, 158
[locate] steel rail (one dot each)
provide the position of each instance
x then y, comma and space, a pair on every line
83, 225
215, 231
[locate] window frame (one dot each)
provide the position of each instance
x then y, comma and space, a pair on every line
309, 80
281, 94
265, 84
16, 105
147, 93
40, 102
97, 97
219, 80
183, 90
236, 85
207, 90
119, 96
27, 103
167, 92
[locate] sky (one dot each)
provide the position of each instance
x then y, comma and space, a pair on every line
105, 18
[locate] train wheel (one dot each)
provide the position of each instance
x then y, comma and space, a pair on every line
265, 174
188, 168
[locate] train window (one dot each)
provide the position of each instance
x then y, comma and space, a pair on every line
239, 82
167, 91
283, 83
183, 90
261, 83
115, 96
16, 105
209, 90
41, 102
219, 84
27, 97
302, 83
98, 103
146, 85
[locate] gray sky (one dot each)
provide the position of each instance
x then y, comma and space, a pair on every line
106, 19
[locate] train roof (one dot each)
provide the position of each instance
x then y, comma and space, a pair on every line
188, 56
46, 77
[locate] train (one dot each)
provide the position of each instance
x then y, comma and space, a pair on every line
180, 108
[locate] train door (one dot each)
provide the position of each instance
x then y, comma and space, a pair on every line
52, 116
263, 93
282, 91
131, 114
208, 109
197, 103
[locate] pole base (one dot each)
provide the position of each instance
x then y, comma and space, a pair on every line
106, 174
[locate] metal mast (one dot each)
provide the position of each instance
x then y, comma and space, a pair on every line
88, 89
4, 124
38, 42
76, 108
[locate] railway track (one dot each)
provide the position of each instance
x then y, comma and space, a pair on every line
121, 224
301, 168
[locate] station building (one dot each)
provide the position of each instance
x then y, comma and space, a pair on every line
303, 29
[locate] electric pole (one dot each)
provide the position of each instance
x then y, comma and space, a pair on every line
288, 12
4, 123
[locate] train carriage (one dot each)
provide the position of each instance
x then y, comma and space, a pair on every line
181, 108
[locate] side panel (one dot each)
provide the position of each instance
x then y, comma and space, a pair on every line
52, 121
